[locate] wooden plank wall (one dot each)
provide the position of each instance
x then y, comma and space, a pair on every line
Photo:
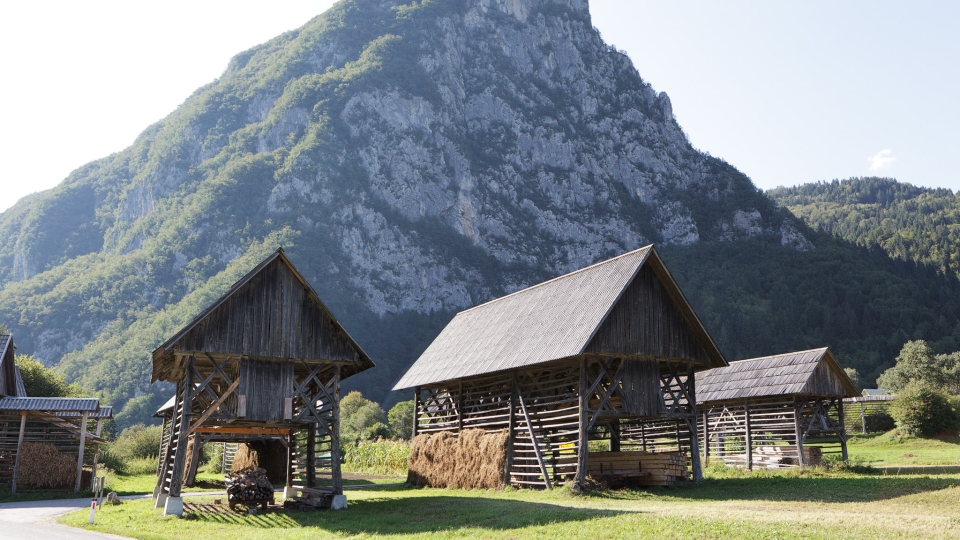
270, 316
265, 384
646, 322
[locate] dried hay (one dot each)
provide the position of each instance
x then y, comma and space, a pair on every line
43, 467
268, 455
475, 460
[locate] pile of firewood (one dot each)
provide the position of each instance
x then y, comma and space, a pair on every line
249, 484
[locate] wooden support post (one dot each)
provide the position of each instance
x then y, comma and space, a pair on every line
615, 435
511, 430
843, 432
291, 443
797, 413
180, 456
706, 438
583, 446
83, 442
312, 455
416, 411
459, 407
643, 436
748, 436
335, 436
16, 458
536, 443
692, 424
863, 419
194, 460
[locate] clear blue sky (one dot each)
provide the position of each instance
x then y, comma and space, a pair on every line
788, 92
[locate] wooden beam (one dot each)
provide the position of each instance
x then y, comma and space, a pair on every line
842, 434
748, 436
83, 442
180, 456
533, 439
706, 436
213, 408
416, 411
335, 437
16, 458
511, 428
312, 456
583, 448
213, 430
799, 435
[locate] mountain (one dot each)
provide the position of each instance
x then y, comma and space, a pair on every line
907, 222
414, 160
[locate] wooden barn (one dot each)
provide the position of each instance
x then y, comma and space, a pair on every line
264, 361
45, 442
607, 353
776, 411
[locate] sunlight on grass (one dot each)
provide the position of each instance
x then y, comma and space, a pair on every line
793, 504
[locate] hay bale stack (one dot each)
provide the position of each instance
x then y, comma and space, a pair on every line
474, 460
43, 467
268, 455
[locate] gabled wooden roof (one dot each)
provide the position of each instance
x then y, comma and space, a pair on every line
271, 313
550, 321
813, 373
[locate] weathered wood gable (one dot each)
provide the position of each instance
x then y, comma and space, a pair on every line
646, 322
270, 314
8, 368
829, 379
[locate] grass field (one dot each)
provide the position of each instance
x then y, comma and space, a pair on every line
729, 504
885, 450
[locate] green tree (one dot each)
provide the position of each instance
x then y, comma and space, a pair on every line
41, 381
401, 419
921, 410
854, 376
917, 362
357, 415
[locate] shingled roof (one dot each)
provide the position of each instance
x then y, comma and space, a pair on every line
550, 321
813, 372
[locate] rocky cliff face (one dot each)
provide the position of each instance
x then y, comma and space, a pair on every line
416, 159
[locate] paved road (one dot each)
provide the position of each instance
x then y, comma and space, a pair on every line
35, 520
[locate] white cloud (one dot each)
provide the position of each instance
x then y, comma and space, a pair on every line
881, 161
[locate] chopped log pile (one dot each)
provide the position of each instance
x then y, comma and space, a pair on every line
630, 469
249, 487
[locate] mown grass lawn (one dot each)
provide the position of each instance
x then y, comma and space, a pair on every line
808, 504
886, 449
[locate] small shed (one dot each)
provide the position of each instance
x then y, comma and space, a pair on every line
263, 361
608, 353
67, 429
777, 411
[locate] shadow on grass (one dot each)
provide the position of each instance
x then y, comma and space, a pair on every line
799, 489
419, 514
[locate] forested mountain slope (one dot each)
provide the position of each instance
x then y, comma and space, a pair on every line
909, 223
414, 160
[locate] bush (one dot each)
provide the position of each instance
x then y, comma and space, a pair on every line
377, 431
136, 446
921, 411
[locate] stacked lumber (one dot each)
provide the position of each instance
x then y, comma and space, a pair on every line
249, 485
638, 468
772, 457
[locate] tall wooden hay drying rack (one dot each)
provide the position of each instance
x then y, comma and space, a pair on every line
264, 361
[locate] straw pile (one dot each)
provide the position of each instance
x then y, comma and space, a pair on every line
42, 467
268, 455
475, 460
